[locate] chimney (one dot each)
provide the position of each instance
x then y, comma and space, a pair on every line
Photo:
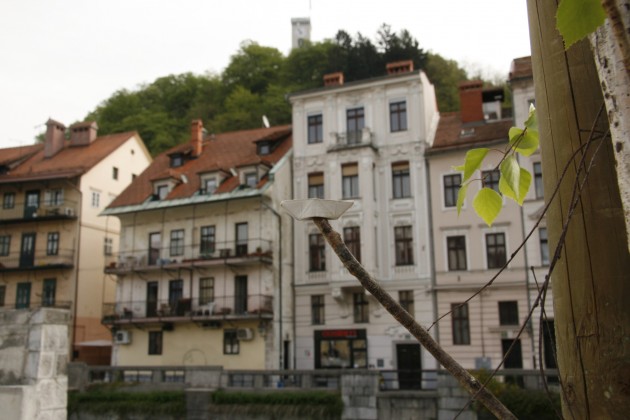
471, 101
83, 133
55, 138
333, 79
397, 67
197, 137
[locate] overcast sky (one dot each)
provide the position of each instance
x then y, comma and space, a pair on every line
61, 58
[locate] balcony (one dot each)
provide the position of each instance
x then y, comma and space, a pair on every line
37, 261
46, 210
352, 140
188, 310
250, 252
29, 304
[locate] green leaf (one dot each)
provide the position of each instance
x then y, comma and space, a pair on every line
461, 196
487, 204
510, 171
473, 160
525, 180
514, 134
528, 143
576, 19
532, 119
458, 168
505, 189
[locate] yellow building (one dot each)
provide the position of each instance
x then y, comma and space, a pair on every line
203, 274
52, 242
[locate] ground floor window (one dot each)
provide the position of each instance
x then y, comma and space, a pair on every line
155, 342
230, 342
340, 349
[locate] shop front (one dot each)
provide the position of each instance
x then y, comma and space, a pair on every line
345, 348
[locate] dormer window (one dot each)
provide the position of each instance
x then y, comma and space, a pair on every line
177, 160
162, 192
264, 148
251, 179
210, 186
467, 132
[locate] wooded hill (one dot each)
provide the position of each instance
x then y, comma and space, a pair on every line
256, 82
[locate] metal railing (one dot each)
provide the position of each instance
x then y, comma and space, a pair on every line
44, 210
233, 307
190, 255
351, 139
64, 258
44, 303
329, 379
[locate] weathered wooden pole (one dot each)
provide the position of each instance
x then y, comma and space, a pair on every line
591, 280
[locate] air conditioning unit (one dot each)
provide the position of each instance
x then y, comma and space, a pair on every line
245, 334
68, 211
122, 337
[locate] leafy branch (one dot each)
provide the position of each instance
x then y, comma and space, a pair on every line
514, 181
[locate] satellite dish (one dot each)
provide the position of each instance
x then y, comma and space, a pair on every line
265, 121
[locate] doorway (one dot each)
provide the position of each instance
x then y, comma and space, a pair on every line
23, 296
152, 298
31, 204
27, 251
409, 366
240, 294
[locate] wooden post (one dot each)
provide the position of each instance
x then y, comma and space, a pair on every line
591, 280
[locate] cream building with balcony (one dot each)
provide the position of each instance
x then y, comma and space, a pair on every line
204, 269
53, 243
364, 141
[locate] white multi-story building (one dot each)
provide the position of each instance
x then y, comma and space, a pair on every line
204, 274
364, 141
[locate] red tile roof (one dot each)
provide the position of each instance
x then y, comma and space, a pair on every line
449, 132
68, 162
14, 155
220, 152
521, 68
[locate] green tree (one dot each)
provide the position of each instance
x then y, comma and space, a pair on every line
254, 68
445, 75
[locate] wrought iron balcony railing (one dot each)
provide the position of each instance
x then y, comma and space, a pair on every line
352, 139
181, 309
251, 251
40, 260
58, 209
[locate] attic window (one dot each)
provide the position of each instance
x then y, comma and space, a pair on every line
4, 169
264, 148
467, 132
177, 160
162, 192
251, 179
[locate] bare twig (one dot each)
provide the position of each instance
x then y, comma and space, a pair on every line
471, 384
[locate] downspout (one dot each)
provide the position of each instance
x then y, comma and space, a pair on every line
280, 312
76, 265
431, 249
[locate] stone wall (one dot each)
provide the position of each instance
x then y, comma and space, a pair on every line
452, 399
33, 359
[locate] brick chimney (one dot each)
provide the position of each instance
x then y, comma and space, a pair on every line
196, 130
55, 138
83, 133
397, 67
333, 79
471, 101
